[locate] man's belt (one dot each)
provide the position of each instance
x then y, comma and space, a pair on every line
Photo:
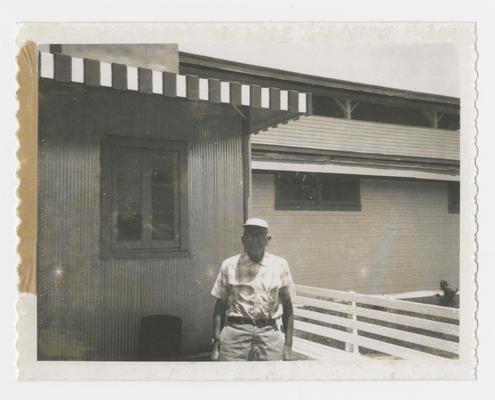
259, 323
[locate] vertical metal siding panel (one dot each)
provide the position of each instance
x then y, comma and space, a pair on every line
403, 238
214, 222
67, 207
94, 311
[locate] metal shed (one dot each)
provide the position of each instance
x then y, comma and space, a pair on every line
102, 266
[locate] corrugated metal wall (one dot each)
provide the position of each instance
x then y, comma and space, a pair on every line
403, 239
363, 137
89, 308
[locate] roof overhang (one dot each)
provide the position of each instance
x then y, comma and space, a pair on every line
210, 66
264, 165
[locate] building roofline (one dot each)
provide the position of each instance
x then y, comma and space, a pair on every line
296, 77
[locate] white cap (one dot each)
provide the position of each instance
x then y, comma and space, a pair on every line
256, 222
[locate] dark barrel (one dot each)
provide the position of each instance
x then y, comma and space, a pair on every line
159, 338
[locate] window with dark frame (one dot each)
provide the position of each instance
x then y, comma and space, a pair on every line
454, 197
144, 195
316, 191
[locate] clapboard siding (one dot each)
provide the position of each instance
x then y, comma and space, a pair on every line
340, 134
89, 307
403, 239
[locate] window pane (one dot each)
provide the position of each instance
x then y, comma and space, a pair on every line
327, 189
349, 191
164, 167
163, 226
285, 190
129, 226
305, 187
339, 189
164, 192
128, 195
162, 197
297, 189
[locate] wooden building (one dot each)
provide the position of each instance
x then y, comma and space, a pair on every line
145, 179
386, 224
363, 194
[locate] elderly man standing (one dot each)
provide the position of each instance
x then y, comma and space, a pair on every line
253, 290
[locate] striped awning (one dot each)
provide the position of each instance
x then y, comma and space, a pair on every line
64, 68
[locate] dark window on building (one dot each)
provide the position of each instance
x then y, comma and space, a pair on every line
454, 197
144, 196
312, 191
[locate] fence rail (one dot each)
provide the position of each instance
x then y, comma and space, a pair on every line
330, 323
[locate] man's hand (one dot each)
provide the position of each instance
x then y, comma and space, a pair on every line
287, 352
215, 352
218, 320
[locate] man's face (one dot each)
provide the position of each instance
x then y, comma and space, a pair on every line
255, 239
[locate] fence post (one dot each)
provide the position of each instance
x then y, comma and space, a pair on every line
350, 347
354, 330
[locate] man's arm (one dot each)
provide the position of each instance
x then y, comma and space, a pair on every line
218, 321
287, 321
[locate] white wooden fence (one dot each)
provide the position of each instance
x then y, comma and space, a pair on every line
365, 325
